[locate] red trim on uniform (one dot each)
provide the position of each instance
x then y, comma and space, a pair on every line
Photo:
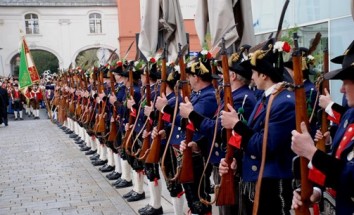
332, 192
133, 112
317, 176
235, 140
179, 195
166, 117
316, 209
348, 135
336, 118
190, 126
156, 182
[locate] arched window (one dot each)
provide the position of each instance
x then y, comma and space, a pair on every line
95, 22
31, 23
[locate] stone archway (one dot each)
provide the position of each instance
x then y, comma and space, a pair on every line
43, 59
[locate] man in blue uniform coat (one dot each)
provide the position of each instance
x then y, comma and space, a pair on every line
334, 170
276, 189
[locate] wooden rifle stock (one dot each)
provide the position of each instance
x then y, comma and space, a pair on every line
226, 194
71, 102
101, 124
155, 148
301, 116
127, 141
113, 126
186, 174
146, 142
321, 144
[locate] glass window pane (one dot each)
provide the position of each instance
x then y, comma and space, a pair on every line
341, 35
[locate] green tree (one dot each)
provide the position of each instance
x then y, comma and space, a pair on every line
87, 58
45, 60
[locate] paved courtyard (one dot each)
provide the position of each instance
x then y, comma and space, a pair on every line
42, 171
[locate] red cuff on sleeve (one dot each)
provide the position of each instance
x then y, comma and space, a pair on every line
190, 126
133, 112
235, 140
336, 118
317, 176
166, 117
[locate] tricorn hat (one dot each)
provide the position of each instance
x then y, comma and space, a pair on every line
339, 59
201, 67
173, 75
236, 65
268, 60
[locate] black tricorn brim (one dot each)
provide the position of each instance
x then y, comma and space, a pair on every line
338, 59
288, 64
341, 74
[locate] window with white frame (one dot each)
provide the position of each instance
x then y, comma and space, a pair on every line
95, 23
31, 23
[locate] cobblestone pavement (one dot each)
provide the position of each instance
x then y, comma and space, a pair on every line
42, 171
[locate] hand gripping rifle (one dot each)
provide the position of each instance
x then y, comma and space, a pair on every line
226, 195
146, 141
127, 141
301, 116
186, 174
154, 151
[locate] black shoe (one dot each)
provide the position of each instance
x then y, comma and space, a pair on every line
144, 208
129, 194
102, 167
73, 136
69, 131
117, 182
82, 145
123, 183
91, 152
152, 211
6, 124
85, 148
21, 118
99, 162
108, 168
79, 142
15, 119
114, 176
136, 197
95, 157
78, 139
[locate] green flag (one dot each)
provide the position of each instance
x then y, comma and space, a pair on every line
24, 76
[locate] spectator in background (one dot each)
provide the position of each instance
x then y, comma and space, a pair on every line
4, 102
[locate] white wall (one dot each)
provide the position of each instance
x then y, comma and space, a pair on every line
64, 31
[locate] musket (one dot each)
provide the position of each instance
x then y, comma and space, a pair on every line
226, 194
280, 24
101, 124
127, 141
321, 143
110, 56
127, 52
155, 148
146, 141
113, 127
185, 173
301, 116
